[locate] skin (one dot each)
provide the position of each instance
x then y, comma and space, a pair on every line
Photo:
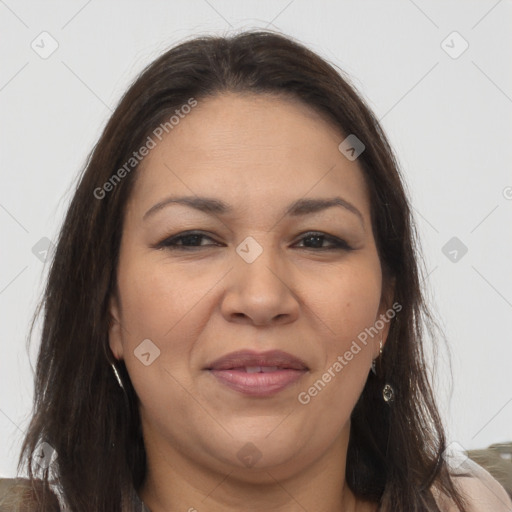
258, 154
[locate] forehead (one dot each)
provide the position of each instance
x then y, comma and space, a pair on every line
251, 150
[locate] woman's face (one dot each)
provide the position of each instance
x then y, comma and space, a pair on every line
255, 279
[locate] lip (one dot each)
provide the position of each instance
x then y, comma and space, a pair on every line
241, 358
258, 384
230, 371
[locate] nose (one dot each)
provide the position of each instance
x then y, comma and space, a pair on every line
260, 292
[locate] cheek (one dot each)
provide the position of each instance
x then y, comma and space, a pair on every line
345, 301
167, 306
157, 297
346, 309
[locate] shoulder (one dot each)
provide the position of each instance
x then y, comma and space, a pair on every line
480, 490
21, 495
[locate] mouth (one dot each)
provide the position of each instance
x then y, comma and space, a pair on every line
257, 374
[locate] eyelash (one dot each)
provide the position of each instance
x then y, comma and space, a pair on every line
170, 243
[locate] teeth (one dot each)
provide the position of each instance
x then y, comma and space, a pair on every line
264, 369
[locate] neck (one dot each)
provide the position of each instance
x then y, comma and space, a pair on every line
177, 482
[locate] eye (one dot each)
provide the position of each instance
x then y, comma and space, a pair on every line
192, 240
184, 241
316, 240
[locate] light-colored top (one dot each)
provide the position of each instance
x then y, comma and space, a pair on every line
483, 493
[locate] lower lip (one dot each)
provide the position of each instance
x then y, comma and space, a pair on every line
258, 384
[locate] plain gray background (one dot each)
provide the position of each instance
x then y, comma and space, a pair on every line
447, 110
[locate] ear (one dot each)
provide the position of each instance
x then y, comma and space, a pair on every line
115, 331
387, 311
388, 293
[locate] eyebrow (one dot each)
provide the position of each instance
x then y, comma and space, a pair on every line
218, 207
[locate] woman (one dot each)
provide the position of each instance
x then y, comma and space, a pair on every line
233, 317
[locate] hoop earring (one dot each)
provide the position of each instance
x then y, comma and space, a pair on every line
118, 378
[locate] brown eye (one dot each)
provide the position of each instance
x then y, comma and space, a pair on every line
317, 239
185, 241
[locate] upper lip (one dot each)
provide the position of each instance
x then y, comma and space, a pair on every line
243, 358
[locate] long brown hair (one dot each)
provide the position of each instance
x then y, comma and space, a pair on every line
395, 451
